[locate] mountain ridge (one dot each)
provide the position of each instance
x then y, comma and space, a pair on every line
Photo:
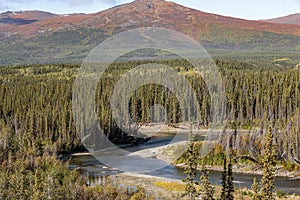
150, 12
289, 19
48, 37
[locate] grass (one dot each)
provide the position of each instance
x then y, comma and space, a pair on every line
171, 186
240, 193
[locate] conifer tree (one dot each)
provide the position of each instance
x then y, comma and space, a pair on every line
267, 181
206, 189
224, 179
229, 182
191, 169
255, 189
227, 178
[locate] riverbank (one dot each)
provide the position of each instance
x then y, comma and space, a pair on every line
174, 150
149, 185
166, 188
244, 169
159, 148
171, 152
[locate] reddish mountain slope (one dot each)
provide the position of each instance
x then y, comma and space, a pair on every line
290, 19
138, 14
40, 37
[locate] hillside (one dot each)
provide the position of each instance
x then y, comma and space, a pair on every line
40, 37
290, 19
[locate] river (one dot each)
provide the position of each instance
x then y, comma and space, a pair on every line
88, 164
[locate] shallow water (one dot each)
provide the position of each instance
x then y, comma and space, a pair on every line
88, 164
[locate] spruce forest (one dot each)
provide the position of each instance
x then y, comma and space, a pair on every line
38, 131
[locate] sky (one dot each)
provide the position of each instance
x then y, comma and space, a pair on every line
251, 9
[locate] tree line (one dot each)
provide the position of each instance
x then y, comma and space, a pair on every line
36, 118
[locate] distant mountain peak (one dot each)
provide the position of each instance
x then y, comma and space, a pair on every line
147, 0
140, 13
290, 19
33, 36
24, 17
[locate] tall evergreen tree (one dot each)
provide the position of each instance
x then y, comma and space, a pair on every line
229, 182
191, 169
224, 179
206, 191
227, 178
267, 181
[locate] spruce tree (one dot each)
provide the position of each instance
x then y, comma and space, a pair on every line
267, 181
206, 189
229, 182
255, 189
224, 179
191, 169
227, 179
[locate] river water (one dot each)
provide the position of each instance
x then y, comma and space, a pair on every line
87, 164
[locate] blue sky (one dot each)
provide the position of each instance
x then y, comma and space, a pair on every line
254, 9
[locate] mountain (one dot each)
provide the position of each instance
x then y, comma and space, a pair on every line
41, 37
290, 19
23, 18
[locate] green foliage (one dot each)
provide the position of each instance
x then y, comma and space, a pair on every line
267, 181
213, 158
47, 178
73, 44
191, 169
280, 194
234, 38
206, 191
68, 46
224, 179
36, 119
289, 166
229, 190
40, 178
255, 189
227, 180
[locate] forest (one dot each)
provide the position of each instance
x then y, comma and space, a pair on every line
38, 131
